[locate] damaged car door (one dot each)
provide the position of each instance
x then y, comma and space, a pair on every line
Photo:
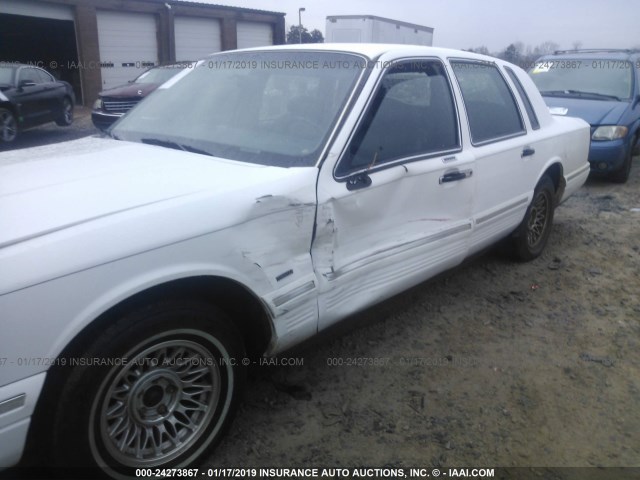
395, 208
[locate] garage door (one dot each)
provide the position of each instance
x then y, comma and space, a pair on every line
128, 45
36, 9
196, 37
254, 34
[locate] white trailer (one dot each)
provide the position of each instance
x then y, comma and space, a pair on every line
373, 29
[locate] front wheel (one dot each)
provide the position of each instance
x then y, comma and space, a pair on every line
66, 114
622, 174
156, 390
8, 126
531, 236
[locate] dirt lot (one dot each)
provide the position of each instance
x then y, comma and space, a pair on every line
494, 364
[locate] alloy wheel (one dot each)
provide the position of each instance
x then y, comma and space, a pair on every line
8, 126
538, 218
157, 406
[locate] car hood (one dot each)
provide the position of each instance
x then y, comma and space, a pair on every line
594, 112
111, 199
130, 90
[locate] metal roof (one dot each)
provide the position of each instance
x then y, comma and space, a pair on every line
215, 5
424, 28
595, 54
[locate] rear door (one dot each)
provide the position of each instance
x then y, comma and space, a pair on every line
53, 93
503, 150
33, 98
395, 208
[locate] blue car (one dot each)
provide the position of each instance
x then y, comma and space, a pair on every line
603, 88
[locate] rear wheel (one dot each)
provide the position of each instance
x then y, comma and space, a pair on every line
8, 126
155, 391
531, 236
66, 115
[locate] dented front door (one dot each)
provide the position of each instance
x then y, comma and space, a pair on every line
395, 206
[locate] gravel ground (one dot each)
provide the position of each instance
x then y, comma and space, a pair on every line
496, 364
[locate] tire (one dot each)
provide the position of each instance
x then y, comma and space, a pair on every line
622, 174
66, 116
8, 126
168, 395
531, 236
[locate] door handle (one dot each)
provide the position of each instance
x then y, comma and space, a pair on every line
455, 176
527, 152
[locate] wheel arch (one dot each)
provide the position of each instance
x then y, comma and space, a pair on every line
15, 112
555, 172
235, 300
9, 106
635, 142
13, 109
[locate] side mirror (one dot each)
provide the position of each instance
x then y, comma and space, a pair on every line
26, 83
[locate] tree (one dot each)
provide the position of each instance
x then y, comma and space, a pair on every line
533, 54
545, 48
520, 49
510, 54
316, 36
293, 35
481, 49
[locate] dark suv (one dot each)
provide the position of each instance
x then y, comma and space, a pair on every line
115, 102
603, 88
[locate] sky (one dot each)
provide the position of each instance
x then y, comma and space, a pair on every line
473, 23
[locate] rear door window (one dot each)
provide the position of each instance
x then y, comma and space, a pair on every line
531, 113
491, 108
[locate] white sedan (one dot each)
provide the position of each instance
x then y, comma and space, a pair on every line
250, 202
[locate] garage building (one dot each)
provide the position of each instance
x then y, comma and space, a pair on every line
98, 44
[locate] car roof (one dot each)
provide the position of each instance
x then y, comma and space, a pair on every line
18, 65
594, 54
372, 50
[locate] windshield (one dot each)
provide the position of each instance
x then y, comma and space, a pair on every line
160, 74
599, 77
6, 74
271, 108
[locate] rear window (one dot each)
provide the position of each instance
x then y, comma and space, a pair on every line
492, 111
531, 113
